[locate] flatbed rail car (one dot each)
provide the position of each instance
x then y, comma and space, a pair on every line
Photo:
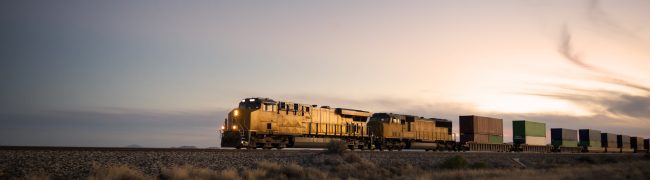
266, 123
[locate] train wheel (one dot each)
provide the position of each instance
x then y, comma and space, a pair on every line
360, 147
251, 146
267, 146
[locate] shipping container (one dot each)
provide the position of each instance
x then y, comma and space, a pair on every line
532, 140
564, 143
564, 137
495, 139
528, 132
476, 138
589, 138
637, 143
528, 128
623, 141
608, 140
646, 144
564, 134
495, 126
480, 125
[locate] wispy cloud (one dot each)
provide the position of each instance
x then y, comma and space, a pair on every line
568, 50
609, 103
601, 18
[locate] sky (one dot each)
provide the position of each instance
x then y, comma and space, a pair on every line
165, 73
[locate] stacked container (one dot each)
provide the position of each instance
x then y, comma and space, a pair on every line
528, 132
608, 141
590, 138
646, 144
637, 144
478, 129
561, 137
623, 143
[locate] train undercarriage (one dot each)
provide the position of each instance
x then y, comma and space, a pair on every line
241, 140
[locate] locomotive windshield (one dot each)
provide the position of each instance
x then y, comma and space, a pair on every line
252, 103
383, 117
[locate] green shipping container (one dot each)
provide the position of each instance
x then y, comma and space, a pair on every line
565, 143
523, 128
590, 143
495, 139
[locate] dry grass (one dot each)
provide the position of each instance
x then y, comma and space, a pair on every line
336, 147
37, 177
122, 172
633, 170
350, 165
189, 172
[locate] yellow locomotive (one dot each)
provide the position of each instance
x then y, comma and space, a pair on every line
265, 123
396, 131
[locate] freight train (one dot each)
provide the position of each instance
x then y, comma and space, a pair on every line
266, 123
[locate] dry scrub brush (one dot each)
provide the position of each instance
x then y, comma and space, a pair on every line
336, 147
100, 172
352, 166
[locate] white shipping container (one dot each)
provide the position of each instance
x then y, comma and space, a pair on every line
531, 140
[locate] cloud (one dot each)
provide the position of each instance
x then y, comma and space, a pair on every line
625, 83
609, 103
567, 49
629, 105
597, 15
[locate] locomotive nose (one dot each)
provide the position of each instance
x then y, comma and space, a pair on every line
231, 139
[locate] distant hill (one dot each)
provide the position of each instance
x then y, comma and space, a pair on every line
133, 146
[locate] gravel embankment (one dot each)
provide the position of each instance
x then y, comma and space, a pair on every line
75, 163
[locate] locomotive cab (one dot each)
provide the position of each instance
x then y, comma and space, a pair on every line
237, 127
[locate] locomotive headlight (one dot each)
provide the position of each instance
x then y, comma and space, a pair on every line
234, 127
223, 127
236, 113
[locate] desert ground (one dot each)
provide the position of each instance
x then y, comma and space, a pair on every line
167, 163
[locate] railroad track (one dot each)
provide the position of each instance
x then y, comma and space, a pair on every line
60, 148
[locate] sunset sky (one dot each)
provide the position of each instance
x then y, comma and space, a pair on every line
164, 73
